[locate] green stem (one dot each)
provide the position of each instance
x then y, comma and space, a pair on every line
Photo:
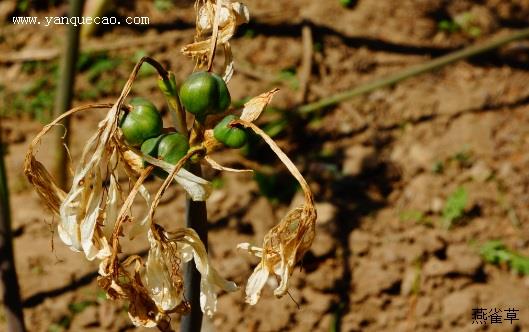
8, 276
415, 70
169, 89
196, 218
64, 94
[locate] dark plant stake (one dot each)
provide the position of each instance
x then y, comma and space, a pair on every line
8, 275
65, 91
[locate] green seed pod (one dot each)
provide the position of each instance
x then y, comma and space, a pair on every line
142, 123
168, 147
172, 147
204, 93
150, 146
224, 94
233, 137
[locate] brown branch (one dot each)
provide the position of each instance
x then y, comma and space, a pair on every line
428, 66
306, 63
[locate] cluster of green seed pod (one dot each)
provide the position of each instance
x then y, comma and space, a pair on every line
201, 94
206, 93
142, 127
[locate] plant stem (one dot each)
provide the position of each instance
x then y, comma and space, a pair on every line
64, 94
167, 84
8, 276
415, 70
196, 218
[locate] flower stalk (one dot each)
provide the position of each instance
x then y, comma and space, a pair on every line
196, 218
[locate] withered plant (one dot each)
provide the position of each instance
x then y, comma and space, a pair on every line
95, 213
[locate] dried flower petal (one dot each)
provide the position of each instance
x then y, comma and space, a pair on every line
255, 106
144, 224
286, 243
82, 208
251, 249
162, 275
143, 311
220, 29
112, 207
191, 247
256, 283
228, 63
242, 14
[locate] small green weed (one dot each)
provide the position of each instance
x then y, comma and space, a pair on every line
448, 26
438, 167
217, 183
163, 5
250, 33
62, 325
36, 99
22, 5
95, 66
463, 158
454, 207
460, 23
415, 216
78, 307
347, 3
495, 252
275, 127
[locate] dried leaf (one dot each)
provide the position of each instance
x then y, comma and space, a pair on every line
255, 106
219, 167
201, 49
286, 243
35, 171
197, 188
133, 161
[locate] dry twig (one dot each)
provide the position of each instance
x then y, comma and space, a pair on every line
306, 63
